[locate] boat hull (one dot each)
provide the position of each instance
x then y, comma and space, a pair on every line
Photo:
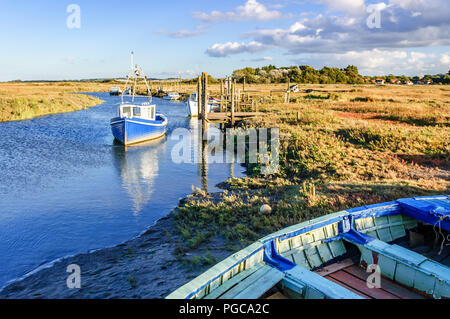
134, 130
192, 107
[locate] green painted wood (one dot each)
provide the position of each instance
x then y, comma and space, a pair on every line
424, 282
262, 285
387, 266
397, 231
324, 253
405, 275
295, 288
313, 257
227, 285
337, 248
252, 284
300, 259
210, 274
318, 287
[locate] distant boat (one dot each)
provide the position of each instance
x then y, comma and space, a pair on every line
192, 105
172, 96
137, 123
335, 256
115, 91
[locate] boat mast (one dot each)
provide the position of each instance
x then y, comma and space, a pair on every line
135, 74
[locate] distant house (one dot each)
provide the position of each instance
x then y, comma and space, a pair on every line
395, 81
379, 81
293, 88
409, 83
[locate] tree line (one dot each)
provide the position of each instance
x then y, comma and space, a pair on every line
327, 75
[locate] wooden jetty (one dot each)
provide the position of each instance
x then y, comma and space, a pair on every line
231, 102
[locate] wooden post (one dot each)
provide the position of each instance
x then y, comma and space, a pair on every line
199, 94
289, 91
243, 85
204, 100
238, 101
221, 95
232, 103
298, 116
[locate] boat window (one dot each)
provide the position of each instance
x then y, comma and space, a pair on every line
152, 113
136, 111
126, 111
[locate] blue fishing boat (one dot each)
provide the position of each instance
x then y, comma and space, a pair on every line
394, 250
138, 123
135, 122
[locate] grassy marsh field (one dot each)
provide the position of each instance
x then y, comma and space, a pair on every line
22, 101
350, 146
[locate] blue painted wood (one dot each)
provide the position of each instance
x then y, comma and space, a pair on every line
135, 130
433, 211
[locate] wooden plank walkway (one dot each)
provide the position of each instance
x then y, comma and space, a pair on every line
224, 116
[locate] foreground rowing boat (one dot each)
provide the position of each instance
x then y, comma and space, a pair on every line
339, 256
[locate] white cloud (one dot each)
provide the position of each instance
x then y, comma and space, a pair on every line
356, 7
263, 59
251, 10
445, 60
180, 34
225, 49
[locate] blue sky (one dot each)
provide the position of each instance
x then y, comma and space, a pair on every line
177, 37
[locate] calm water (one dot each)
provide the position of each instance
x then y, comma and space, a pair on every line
66, 187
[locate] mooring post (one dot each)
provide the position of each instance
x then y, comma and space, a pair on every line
204, 100
221, 95
233, 88
199, 94
289, 91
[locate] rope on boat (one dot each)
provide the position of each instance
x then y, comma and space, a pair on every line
438, 223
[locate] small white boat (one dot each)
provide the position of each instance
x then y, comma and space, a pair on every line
172, 96
115, 91
192, 105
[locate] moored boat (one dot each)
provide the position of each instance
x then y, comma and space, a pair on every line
192, 105
135, 122
115, 91
340, 256
172, 96
138, 123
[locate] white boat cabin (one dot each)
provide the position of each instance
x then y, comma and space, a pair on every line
193, 97
145, 111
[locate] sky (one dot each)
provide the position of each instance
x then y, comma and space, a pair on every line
82, 39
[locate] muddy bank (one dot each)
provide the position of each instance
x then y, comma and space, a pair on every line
144, 267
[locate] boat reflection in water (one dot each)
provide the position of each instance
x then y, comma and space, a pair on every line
138, 166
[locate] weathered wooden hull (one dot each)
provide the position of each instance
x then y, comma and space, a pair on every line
286, 258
